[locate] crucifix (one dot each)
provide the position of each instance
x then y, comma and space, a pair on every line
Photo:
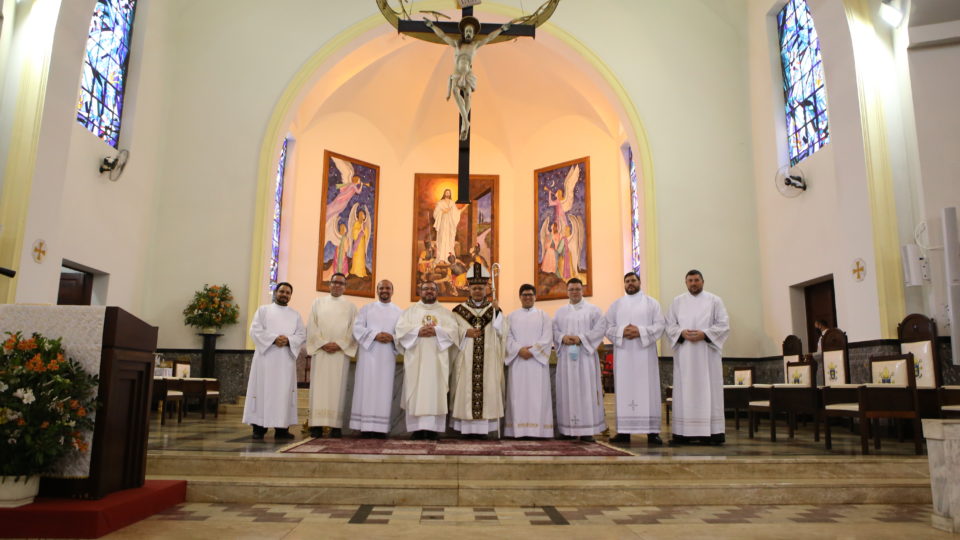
465, 37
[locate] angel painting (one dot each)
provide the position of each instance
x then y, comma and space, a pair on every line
348, 224
562, 239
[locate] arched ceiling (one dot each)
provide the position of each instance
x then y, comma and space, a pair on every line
399, 84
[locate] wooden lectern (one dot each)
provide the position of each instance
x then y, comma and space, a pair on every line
119, 451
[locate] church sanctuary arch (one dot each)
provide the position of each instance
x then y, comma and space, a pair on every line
379, 97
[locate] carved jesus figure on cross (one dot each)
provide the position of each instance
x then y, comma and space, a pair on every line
463, 80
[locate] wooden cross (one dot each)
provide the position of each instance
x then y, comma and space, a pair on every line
451, 28
39, 250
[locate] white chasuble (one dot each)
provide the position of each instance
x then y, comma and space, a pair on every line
529, 403
272, 387
376, 366
579, 394
331, 320
697, 369
478, 370
636, 368
426, 364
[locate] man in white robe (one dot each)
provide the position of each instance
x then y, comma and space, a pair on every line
478, 369
331, 344
697, 326
278, 333
427, 332
578, 330
634, 324
529, 403
376, 364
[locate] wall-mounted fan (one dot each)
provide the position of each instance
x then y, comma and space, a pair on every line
115, 165
790, 181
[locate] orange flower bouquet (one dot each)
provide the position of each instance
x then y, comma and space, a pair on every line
46, 401
212, 307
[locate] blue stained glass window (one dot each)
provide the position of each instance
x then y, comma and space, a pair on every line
104, 74
277, 210
803, 85
635, 230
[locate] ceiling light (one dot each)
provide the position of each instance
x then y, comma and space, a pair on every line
890, 13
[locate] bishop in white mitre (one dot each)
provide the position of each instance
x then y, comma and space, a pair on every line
427, 332
331, 345
529, 401
278, 333
634, 324
376, 364
697, 326
478, 368
578, 330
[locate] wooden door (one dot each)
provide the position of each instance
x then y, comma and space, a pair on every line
820, 304
76, 289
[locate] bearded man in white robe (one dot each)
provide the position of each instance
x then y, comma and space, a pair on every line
634, 324
427, 332
331, 345
278, 333
376, 364
697, 327
529, 402
578, 330
478, 369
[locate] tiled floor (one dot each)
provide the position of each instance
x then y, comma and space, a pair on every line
204, 521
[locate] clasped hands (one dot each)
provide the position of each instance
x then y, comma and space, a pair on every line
631, 332
474, 333
525, 353
570, 340
427, 331
383, 337
331, 347
693, 335
281, 341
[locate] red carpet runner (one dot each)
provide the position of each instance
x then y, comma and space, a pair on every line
70, 518
454, 447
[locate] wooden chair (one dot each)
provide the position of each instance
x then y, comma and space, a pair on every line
836, 361
892, 393
918, 335
949, 401
211, 393
759, 401
736, 396
193, 389
165, 394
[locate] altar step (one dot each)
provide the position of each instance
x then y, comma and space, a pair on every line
519, 481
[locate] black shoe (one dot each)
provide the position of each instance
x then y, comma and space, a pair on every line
316, 432
621, 438
679, 440
587, 438
366, 435
281, 434
336, 433
258, 432
566, 438
654, 439
417, 435
717, 439
428, 435
378, 435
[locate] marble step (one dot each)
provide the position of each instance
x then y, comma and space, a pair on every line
303, 401
535, 469
302, 410
452, 492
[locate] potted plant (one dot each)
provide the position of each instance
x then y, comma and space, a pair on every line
212, 308
46, 401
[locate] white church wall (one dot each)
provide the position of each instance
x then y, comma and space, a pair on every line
935, 78
666, 57
827, 228
83, 216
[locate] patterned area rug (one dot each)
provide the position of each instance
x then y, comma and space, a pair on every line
454, 447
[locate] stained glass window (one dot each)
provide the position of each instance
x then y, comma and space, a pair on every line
102, 82
277, 210
635, 229
803, 86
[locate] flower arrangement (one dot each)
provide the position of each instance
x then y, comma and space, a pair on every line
45, 404
211, 307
